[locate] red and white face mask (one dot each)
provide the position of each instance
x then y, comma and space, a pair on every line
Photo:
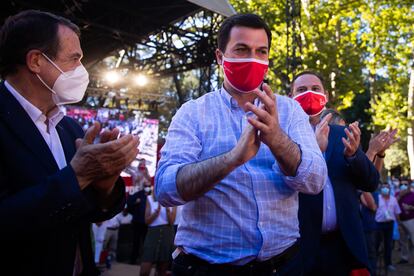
312, 102
244, 74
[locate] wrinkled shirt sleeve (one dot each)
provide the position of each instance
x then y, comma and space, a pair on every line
312, 172
182, 147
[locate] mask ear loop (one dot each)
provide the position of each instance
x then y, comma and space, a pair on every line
54, 64
44, 83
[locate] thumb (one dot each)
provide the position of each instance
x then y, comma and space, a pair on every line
91, 133
78, 143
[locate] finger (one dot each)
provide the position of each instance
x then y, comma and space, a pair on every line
381, 135
126, 151
261, 114
114, 165
346, 144
78, 142
350, 136
268, 102
325, 122
393, 132
105, 136
268, 91
91, 133
130, 147
258, 125
355, 129
123, 161
326, 119
114, 146
114, 134
356, 133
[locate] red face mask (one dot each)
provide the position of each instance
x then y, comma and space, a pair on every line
244, 74
312, 102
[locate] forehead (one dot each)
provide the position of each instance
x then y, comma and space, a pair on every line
69, 42
307, 80
254, 38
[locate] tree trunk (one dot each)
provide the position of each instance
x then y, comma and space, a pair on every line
410, 140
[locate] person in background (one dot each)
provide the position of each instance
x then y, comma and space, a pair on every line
332, 237
99, 230
405, 199
124, 217
387, 212
378, 144
111, 234
136, 206
159, 241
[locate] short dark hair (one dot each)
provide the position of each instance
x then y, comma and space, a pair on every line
244, 20
28, 30
316, 74
336, 116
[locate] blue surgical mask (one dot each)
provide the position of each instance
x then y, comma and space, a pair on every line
385, 191
403, 187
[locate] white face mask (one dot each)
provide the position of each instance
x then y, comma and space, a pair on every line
70, 86
147, 189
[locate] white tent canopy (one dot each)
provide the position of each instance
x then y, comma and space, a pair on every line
222, 7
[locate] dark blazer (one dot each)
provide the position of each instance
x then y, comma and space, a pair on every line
43, 213
347, 176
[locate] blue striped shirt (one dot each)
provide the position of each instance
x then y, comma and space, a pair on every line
252, 213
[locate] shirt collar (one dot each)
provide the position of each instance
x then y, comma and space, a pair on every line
35, 114
229, 100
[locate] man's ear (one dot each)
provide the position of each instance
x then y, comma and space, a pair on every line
34, 61
219, 57
327, 95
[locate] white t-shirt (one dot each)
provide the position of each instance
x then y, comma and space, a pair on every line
162, 217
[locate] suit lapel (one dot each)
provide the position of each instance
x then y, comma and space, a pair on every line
19, 122
331, 145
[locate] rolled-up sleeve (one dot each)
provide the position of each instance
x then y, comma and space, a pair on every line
312, 172
182, 147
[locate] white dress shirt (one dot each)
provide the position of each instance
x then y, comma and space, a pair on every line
329, 222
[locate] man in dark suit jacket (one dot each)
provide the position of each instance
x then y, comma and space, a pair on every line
332, 237
54, 181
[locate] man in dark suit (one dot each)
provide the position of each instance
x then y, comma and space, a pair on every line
332, 237
54, 181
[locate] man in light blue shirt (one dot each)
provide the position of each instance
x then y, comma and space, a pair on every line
237, 158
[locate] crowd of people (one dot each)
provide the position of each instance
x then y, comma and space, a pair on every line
249, 182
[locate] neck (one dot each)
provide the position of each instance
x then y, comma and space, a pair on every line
31, 90
241, 98
314, 120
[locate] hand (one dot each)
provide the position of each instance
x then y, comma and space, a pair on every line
267, 119
158, 208
93, 162
247, 146
106, 185
378, 142
322, 132
354, 137
390, 140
